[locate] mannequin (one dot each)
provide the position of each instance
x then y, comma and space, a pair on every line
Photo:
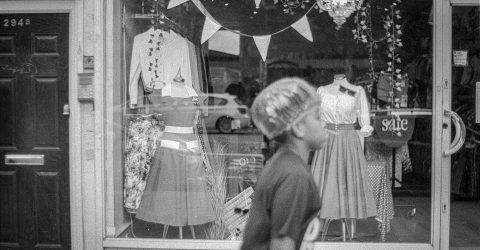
176, 190
339, 169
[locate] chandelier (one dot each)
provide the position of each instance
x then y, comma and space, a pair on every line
339, 10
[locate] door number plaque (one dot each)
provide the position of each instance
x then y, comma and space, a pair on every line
14, 22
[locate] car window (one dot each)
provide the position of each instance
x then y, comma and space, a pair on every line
216, 101
238, 101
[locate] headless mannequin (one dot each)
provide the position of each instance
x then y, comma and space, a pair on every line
340, 86
178, 89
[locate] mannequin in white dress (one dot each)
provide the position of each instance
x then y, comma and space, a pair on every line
339, 169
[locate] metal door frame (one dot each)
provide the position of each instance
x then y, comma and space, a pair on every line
444, 64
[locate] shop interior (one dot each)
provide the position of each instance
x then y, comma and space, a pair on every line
381, 41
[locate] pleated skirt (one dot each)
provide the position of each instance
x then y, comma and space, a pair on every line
340, 172
176, 190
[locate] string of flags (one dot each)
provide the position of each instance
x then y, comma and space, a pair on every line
211, 26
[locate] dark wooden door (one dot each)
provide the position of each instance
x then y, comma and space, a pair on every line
34, 196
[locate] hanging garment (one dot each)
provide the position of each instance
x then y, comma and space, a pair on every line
339, 168
142, 137
157, 57
177, 191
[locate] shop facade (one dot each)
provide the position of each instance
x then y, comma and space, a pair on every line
107, 118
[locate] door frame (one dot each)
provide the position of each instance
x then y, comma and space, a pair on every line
445, 64
73, 8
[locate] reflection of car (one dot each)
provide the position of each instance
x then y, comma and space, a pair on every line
226, 113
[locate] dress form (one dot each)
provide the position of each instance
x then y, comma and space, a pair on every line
179, 90
176, 194
343, 159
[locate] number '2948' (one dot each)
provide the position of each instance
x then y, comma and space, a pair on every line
15, 22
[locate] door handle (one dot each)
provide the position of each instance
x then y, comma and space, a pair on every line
66, 109
460, 133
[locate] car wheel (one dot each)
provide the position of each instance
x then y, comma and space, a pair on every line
224, 125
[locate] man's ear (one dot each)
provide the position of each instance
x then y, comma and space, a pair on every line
298, 129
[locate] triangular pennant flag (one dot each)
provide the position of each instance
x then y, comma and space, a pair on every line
303, 27
257, 3
174, 3
262, 43
209, 28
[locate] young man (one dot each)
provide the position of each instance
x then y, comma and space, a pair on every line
286, 197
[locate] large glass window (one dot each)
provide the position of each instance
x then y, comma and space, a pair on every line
192, 154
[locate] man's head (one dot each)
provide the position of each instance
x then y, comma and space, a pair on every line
290, 107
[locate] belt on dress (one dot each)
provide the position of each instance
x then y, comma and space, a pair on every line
179, 130
178, 145
333, 126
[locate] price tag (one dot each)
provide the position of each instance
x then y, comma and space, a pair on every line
460, 58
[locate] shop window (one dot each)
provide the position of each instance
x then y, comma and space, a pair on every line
191, 152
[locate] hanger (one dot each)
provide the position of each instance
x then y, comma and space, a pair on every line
166, 24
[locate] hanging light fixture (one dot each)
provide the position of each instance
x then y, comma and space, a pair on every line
339, 10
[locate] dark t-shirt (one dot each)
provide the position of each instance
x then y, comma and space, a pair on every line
285, 200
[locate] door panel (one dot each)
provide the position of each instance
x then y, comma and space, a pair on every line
33, 90
465, 164
7, 107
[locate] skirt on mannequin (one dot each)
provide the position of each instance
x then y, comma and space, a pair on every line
176, 191
340, 172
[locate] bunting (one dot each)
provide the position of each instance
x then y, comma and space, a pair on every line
209, 28
174, 3
225, 41
262, 43
303, 27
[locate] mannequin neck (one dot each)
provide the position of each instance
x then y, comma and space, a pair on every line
178, 84
179, 89
341, 80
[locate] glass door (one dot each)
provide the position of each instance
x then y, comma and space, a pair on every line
465, 101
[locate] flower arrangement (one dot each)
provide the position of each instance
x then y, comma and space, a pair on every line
216, 179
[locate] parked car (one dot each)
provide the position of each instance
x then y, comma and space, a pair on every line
226, 113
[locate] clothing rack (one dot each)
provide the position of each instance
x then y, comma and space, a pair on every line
160, 19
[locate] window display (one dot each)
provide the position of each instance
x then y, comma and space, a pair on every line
340, 169
191, 154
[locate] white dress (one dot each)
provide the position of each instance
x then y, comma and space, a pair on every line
339, 169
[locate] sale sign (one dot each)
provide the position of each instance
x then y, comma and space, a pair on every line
394, 130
